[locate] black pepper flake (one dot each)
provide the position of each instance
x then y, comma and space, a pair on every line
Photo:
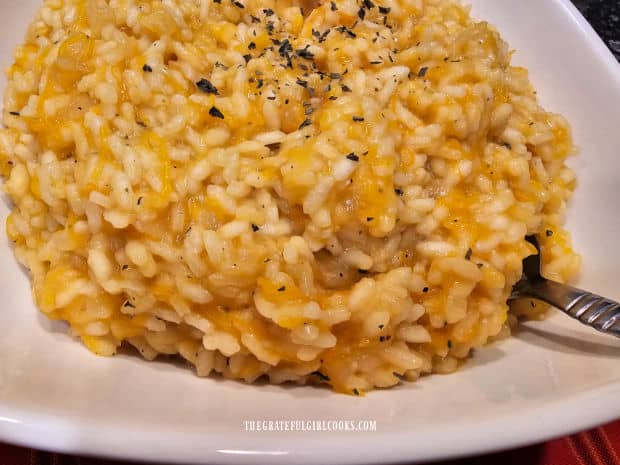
285, 48
368, 4
238, 4
128, 304
361, 14
360, 271
333, 6
532, 304
449, 344
324, 35
479, 265
306, 122
14, 113
425, 289
247, 57
255, 227
384, 10
381, 326
369, 218
271, 97
147, 69
301, 82
507, 145
268, 12
259, 83
353, 157
356, 392
398, 192
282, 289
422, 71
124, 267
345, 88
305, 53
358, 118
254, 19
335, 75
207, 87
549, 233
139, 200
346, 31
217, 1
468, 254
216, 113
322, 376
270, 27
251, 46
333, 97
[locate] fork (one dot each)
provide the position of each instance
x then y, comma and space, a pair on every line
590, 309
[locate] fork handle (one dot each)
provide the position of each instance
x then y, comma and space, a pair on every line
590, 309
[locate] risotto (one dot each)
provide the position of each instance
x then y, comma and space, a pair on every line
329, 193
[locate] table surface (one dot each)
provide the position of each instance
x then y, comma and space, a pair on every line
604, 15
601, 445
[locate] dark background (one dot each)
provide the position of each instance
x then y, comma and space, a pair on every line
604, 15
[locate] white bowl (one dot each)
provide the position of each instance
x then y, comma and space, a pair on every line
553, 378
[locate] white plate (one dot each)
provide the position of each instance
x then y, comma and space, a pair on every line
554, 378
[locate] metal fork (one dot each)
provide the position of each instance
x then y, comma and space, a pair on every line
590, 309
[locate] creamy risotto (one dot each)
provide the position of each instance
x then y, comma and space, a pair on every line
329, 193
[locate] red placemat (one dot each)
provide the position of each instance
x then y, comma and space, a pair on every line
599, 446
